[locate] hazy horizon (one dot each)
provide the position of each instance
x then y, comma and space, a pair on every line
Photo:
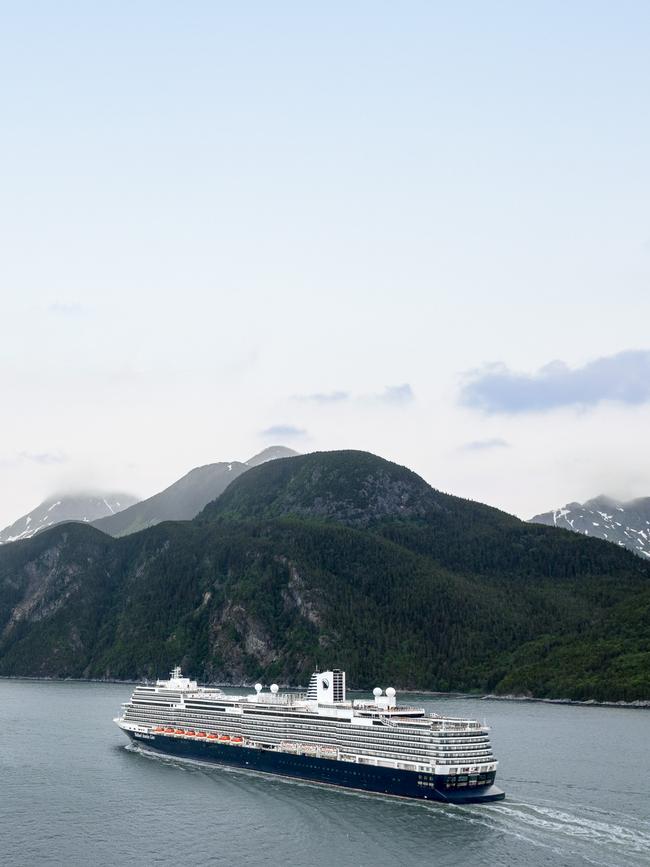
420, 232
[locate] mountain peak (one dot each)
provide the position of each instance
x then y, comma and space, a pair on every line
86, 507
180, 501
353, 487
626, 524
271, 453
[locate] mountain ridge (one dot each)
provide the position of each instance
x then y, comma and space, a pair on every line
623, 523
71, 506
459, 597
184, 498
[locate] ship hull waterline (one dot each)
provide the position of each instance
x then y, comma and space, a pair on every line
349, 775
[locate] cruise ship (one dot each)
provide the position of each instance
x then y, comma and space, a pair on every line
373, 745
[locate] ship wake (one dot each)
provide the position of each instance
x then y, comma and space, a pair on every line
620, 839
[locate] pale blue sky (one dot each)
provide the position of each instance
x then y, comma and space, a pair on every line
209, 211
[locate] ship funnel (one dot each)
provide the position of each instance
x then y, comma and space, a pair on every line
327, 687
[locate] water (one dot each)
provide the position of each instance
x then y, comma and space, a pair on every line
73, 792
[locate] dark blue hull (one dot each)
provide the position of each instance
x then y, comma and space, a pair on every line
366, 778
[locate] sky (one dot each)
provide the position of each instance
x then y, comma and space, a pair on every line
417, 229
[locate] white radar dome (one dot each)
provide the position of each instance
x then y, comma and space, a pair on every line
390, 692
376, 691
258, 687
274, 688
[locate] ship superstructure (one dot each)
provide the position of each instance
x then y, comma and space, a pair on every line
374, 745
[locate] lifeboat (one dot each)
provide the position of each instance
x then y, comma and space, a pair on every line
212, 736
236, 740
159, 729
179, 732
224, 737
169, 731
190, 733
200, 734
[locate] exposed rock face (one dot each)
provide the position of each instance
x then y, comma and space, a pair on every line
237, 634
42, 583
296, 595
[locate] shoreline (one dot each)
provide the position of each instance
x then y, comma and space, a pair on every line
637, 704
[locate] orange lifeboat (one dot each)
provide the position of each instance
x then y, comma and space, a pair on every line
236, 740
200, 734
179, 732
169, 731
212, 736
190, 733
224, 737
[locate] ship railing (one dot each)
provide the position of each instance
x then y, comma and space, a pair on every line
371, 707
455, 720
285, 698
403, 722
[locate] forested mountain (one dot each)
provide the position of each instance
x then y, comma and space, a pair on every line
624, 523
338, 559
66, 507
186, 497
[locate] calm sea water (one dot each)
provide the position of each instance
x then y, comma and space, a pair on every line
73, 792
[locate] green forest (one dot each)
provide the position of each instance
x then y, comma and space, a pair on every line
334, 559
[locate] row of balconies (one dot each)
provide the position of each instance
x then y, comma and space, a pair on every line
354, 739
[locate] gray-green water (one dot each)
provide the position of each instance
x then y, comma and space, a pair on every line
73, 792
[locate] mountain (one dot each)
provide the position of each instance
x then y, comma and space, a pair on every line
351, 489
186, 497
182, 500
272, 453
625, 523
341, 559
66, 507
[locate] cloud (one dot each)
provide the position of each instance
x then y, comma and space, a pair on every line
44, 458
60, 308
624, 378
485, 445
397, 394
325, 398
284, 431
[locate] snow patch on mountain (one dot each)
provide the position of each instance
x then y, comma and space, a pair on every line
596, 518
68, 507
